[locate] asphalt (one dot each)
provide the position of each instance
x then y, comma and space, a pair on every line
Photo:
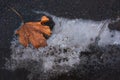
9, 21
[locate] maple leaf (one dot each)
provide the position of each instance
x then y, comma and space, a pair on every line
33, 32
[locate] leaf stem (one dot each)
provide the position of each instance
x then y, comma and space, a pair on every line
17, 13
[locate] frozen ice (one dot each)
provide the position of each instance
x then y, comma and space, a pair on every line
68, 39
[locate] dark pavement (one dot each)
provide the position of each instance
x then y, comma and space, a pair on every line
9, 21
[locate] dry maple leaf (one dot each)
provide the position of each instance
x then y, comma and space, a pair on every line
33, 32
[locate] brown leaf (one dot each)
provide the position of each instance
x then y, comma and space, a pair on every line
32, 32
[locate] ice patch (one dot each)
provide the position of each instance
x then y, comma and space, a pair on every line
69, 38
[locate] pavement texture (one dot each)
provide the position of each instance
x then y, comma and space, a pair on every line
87, 9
